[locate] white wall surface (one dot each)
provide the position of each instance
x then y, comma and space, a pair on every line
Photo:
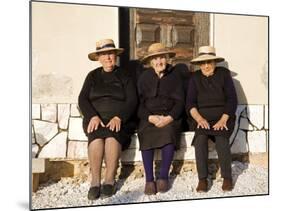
62, 37
243, 42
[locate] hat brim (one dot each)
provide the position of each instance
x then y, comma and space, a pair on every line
150, 56
202, 58
94, 55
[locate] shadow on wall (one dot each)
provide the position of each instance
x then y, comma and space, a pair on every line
238, 140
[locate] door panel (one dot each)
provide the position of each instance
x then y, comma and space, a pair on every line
178, 30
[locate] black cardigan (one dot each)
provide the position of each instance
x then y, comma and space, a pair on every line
166, 93
128, 104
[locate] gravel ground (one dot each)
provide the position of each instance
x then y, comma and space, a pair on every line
72, 192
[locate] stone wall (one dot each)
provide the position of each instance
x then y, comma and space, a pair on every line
57, 134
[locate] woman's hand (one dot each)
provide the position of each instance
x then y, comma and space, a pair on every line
164, 120
114, 124
221, 124
203, 123
94, 124
154, 119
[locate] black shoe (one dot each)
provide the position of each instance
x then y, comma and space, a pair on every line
94, 193
108, 190
202, 185
150, 188
227, 185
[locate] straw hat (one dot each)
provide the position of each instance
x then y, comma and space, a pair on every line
206, 53
156, 49
103, 46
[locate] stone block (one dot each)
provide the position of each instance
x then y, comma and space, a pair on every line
77, 150
134, 142
211, 145
44, 131
241, 109
33, 135
63, 115
157, 154
266, 117
186, 139
131, 155
56, 148
257, 141
74, 110
75, 131
35, 182
267, 141
36, 111
239, 144
35, 149
256, 115
49, 112
213, 154
38, 165
187, 153
245, 124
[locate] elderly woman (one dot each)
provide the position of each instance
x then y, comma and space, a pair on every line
212, 102
107, 101
161, 107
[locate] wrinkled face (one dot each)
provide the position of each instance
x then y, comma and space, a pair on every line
159, 63
107, 60
207, 67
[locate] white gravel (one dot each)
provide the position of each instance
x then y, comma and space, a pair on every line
72, 192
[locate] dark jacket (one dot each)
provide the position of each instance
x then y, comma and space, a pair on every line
161, 96
117, 95
213, 96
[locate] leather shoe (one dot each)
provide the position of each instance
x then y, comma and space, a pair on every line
227, 184
162, 185
108, 190
94, 193
150, 188
202, 185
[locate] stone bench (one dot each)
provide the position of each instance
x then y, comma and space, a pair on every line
38, 167
185, 152
57, 133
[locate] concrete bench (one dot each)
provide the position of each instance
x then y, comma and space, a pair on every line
38, 166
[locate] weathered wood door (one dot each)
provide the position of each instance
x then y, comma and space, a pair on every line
182, 31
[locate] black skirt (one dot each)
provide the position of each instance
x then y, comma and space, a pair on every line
152, 137
123, 136
211, 132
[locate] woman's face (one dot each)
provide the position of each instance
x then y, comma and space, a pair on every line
159, 63
107, 60
208, 67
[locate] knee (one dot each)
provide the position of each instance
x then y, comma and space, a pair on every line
96, 142
201, 140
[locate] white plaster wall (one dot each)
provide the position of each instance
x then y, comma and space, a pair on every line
243, 42
62, 37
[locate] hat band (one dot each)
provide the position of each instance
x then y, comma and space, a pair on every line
213, 54
106, 46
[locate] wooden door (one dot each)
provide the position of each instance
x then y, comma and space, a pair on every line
182, 31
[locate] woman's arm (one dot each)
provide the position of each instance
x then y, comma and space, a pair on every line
84, 103
191, 106
131, 101
230, 95
230, 104
143, 112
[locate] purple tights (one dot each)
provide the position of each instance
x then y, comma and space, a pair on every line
167, 154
